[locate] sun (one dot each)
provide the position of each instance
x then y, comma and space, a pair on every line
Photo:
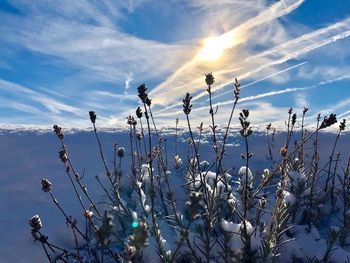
214, 47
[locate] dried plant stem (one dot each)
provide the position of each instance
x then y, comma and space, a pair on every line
331, 160
68, 220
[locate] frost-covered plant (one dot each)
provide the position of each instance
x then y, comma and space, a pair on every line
220, 215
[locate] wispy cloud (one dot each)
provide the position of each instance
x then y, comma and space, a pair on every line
292, 49
187, 77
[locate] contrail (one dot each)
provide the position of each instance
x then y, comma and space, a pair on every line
275, 11
265, 78
264, 95
246, 85
288, 47
282, 60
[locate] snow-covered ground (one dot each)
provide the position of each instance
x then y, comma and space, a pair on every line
28, 156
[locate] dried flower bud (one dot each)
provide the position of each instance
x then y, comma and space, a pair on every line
328, 121
268, 126
142, 92
177, 162
121, 152
209, 79
294, 119
305, 110
284, 151
139, 112
139, 136
59, 132
290, 110
237, 90
187, 104
131, 121
63, 156
35, 223
342, 125
92, 116
88, 214
46, 185
245, 113
148, 102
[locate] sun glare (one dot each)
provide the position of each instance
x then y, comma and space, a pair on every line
214, 47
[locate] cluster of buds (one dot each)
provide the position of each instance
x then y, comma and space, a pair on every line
294, 119
342, 125
139, 112
121, 152
88, 214
35, 224
131, 121
268, 126
187, 106
328, 121
195, 204
284, 151
46, 185
143, 94
63, 156
209, 79
177, 162
59, 132
246, 130
104, 232
139, 136
237, 89
93, 116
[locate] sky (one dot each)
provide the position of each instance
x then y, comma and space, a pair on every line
61, 59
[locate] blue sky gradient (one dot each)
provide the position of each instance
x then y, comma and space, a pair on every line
60, 59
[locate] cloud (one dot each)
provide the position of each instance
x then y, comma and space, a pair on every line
187, 76
252, 65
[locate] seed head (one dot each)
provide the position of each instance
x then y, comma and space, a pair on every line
284, 151
63, 155
342, 125
142, 92
139, 112
92, 116
35, 223
88, 214
59, 132
237, 89
328, 121
187, 106
209, 79
131, 121
294, 119
121, 152
139, 136
46, 185
148, 102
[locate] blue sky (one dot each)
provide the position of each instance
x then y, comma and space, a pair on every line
60, 59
